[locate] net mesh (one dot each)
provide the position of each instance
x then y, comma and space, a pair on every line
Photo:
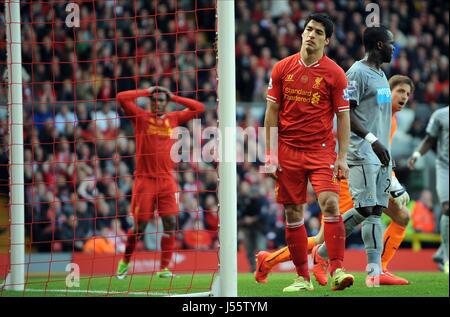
80, 148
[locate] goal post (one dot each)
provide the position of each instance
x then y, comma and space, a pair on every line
18, 277
16, 280
227, 167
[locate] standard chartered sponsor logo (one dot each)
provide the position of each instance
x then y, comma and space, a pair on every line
300, 92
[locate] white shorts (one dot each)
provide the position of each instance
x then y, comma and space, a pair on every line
442, 183
370, 185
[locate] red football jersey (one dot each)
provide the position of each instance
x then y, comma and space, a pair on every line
153, 133
308, 96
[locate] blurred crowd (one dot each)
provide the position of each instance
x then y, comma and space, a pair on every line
79, 150
267, 31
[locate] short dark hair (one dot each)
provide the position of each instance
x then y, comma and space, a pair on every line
373, 35
396, 80
325, 20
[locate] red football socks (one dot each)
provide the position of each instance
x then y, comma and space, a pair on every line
297, 241
334, 233
167, 246
130, 245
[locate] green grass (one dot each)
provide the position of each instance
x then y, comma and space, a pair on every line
422, 285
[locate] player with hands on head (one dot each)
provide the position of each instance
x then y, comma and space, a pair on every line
154, 188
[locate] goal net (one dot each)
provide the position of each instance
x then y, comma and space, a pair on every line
79, 152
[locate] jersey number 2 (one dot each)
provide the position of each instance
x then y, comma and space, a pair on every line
388, 186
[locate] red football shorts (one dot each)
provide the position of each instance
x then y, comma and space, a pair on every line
150, 194
297, 167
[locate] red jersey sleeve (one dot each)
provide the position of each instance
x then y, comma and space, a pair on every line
274, 92
127, 99
194, 108
339, 92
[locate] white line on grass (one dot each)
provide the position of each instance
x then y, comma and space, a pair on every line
74, 291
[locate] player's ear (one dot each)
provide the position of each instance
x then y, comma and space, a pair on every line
380, 45
327, 41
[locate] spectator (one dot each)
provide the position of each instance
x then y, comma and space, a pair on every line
63, 118
41, 116
70, 234
422, 213
101, 244
106, 118
43, 218
252, 210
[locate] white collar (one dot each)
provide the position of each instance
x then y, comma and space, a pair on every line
315, 64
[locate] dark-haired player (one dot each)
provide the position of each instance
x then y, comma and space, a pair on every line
305, 92
369, 151
154, 186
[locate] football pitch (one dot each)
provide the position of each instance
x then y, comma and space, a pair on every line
422, 285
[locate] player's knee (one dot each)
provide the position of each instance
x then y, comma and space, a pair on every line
294, 213
140, 227
169, 223
364, 211
330, 206
445, 208
402, 218
377, 210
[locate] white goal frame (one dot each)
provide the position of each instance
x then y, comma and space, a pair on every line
226, 283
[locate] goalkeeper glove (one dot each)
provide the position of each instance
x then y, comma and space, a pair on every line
398, 194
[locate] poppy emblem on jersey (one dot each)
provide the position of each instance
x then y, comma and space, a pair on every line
289, 77
304, 79
317, 82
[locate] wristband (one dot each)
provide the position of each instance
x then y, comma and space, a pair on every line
370, 138
416, 155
